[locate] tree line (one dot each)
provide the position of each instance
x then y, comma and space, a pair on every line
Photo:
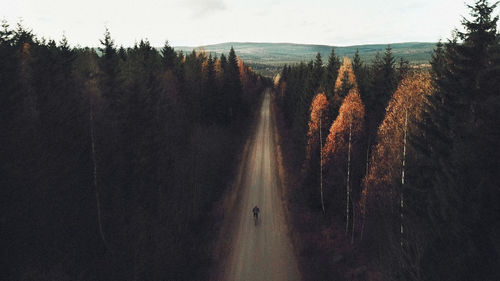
400, 161
112, 158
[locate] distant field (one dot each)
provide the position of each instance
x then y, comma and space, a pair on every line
268, 58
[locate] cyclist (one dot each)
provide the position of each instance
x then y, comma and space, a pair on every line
256, 211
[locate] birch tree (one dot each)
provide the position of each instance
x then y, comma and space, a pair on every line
318, 119
387, 167
345, 133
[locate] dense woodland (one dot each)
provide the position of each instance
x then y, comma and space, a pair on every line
112, 159
398, 164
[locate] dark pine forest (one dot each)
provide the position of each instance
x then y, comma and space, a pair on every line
112, 160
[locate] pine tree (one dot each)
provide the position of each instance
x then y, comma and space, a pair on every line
318, 71
403, 69
169, 57
223, 61
457, 132
109, 69
330, 75
382, 87
210, 98
362, 76
9, 98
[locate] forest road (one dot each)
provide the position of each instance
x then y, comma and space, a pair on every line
263, 251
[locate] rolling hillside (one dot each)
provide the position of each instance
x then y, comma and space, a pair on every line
268, 58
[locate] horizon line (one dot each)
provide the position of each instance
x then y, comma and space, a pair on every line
306, 44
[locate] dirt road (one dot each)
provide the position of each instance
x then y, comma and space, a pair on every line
262, 251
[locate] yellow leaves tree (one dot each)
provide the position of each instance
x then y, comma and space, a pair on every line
346, 80
387, 167
245, 73
343, 139
219, 70
350, 118
317, 121
318, 118
276, 80
246, 78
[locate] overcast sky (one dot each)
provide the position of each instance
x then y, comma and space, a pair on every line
201, 22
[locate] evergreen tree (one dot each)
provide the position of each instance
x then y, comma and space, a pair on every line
122, 53
223, 61
318, 71
193, 83
382, 87
403, 69
210, 97
9, 98
357, 64
232, 86
169, 57
331, 73
362, 75
457, 131
109, 67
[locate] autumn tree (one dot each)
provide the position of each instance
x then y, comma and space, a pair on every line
342, 150
346, 80
384, 184
405, 109
249, 82
315, 137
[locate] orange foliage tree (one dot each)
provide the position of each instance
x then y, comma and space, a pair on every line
249, 81
343, 140
276, 80
351, 115
382, 183
317, 124
319, 117
346, 80
219, 71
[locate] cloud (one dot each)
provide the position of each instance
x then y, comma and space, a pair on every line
202, 8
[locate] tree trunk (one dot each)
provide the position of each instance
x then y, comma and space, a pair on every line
96, 189
348, 177
353, 221
401, 200
367, 155
321, 167
364, 217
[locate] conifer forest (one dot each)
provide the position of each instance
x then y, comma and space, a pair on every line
144, 162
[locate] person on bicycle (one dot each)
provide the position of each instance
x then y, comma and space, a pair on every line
256, 211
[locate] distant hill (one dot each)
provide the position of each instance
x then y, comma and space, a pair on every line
268, 58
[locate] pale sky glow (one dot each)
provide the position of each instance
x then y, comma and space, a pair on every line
201, 22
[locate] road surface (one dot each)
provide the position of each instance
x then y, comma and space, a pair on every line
263, 251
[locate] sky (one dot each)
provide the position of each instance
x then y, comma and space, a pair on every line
203, 22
